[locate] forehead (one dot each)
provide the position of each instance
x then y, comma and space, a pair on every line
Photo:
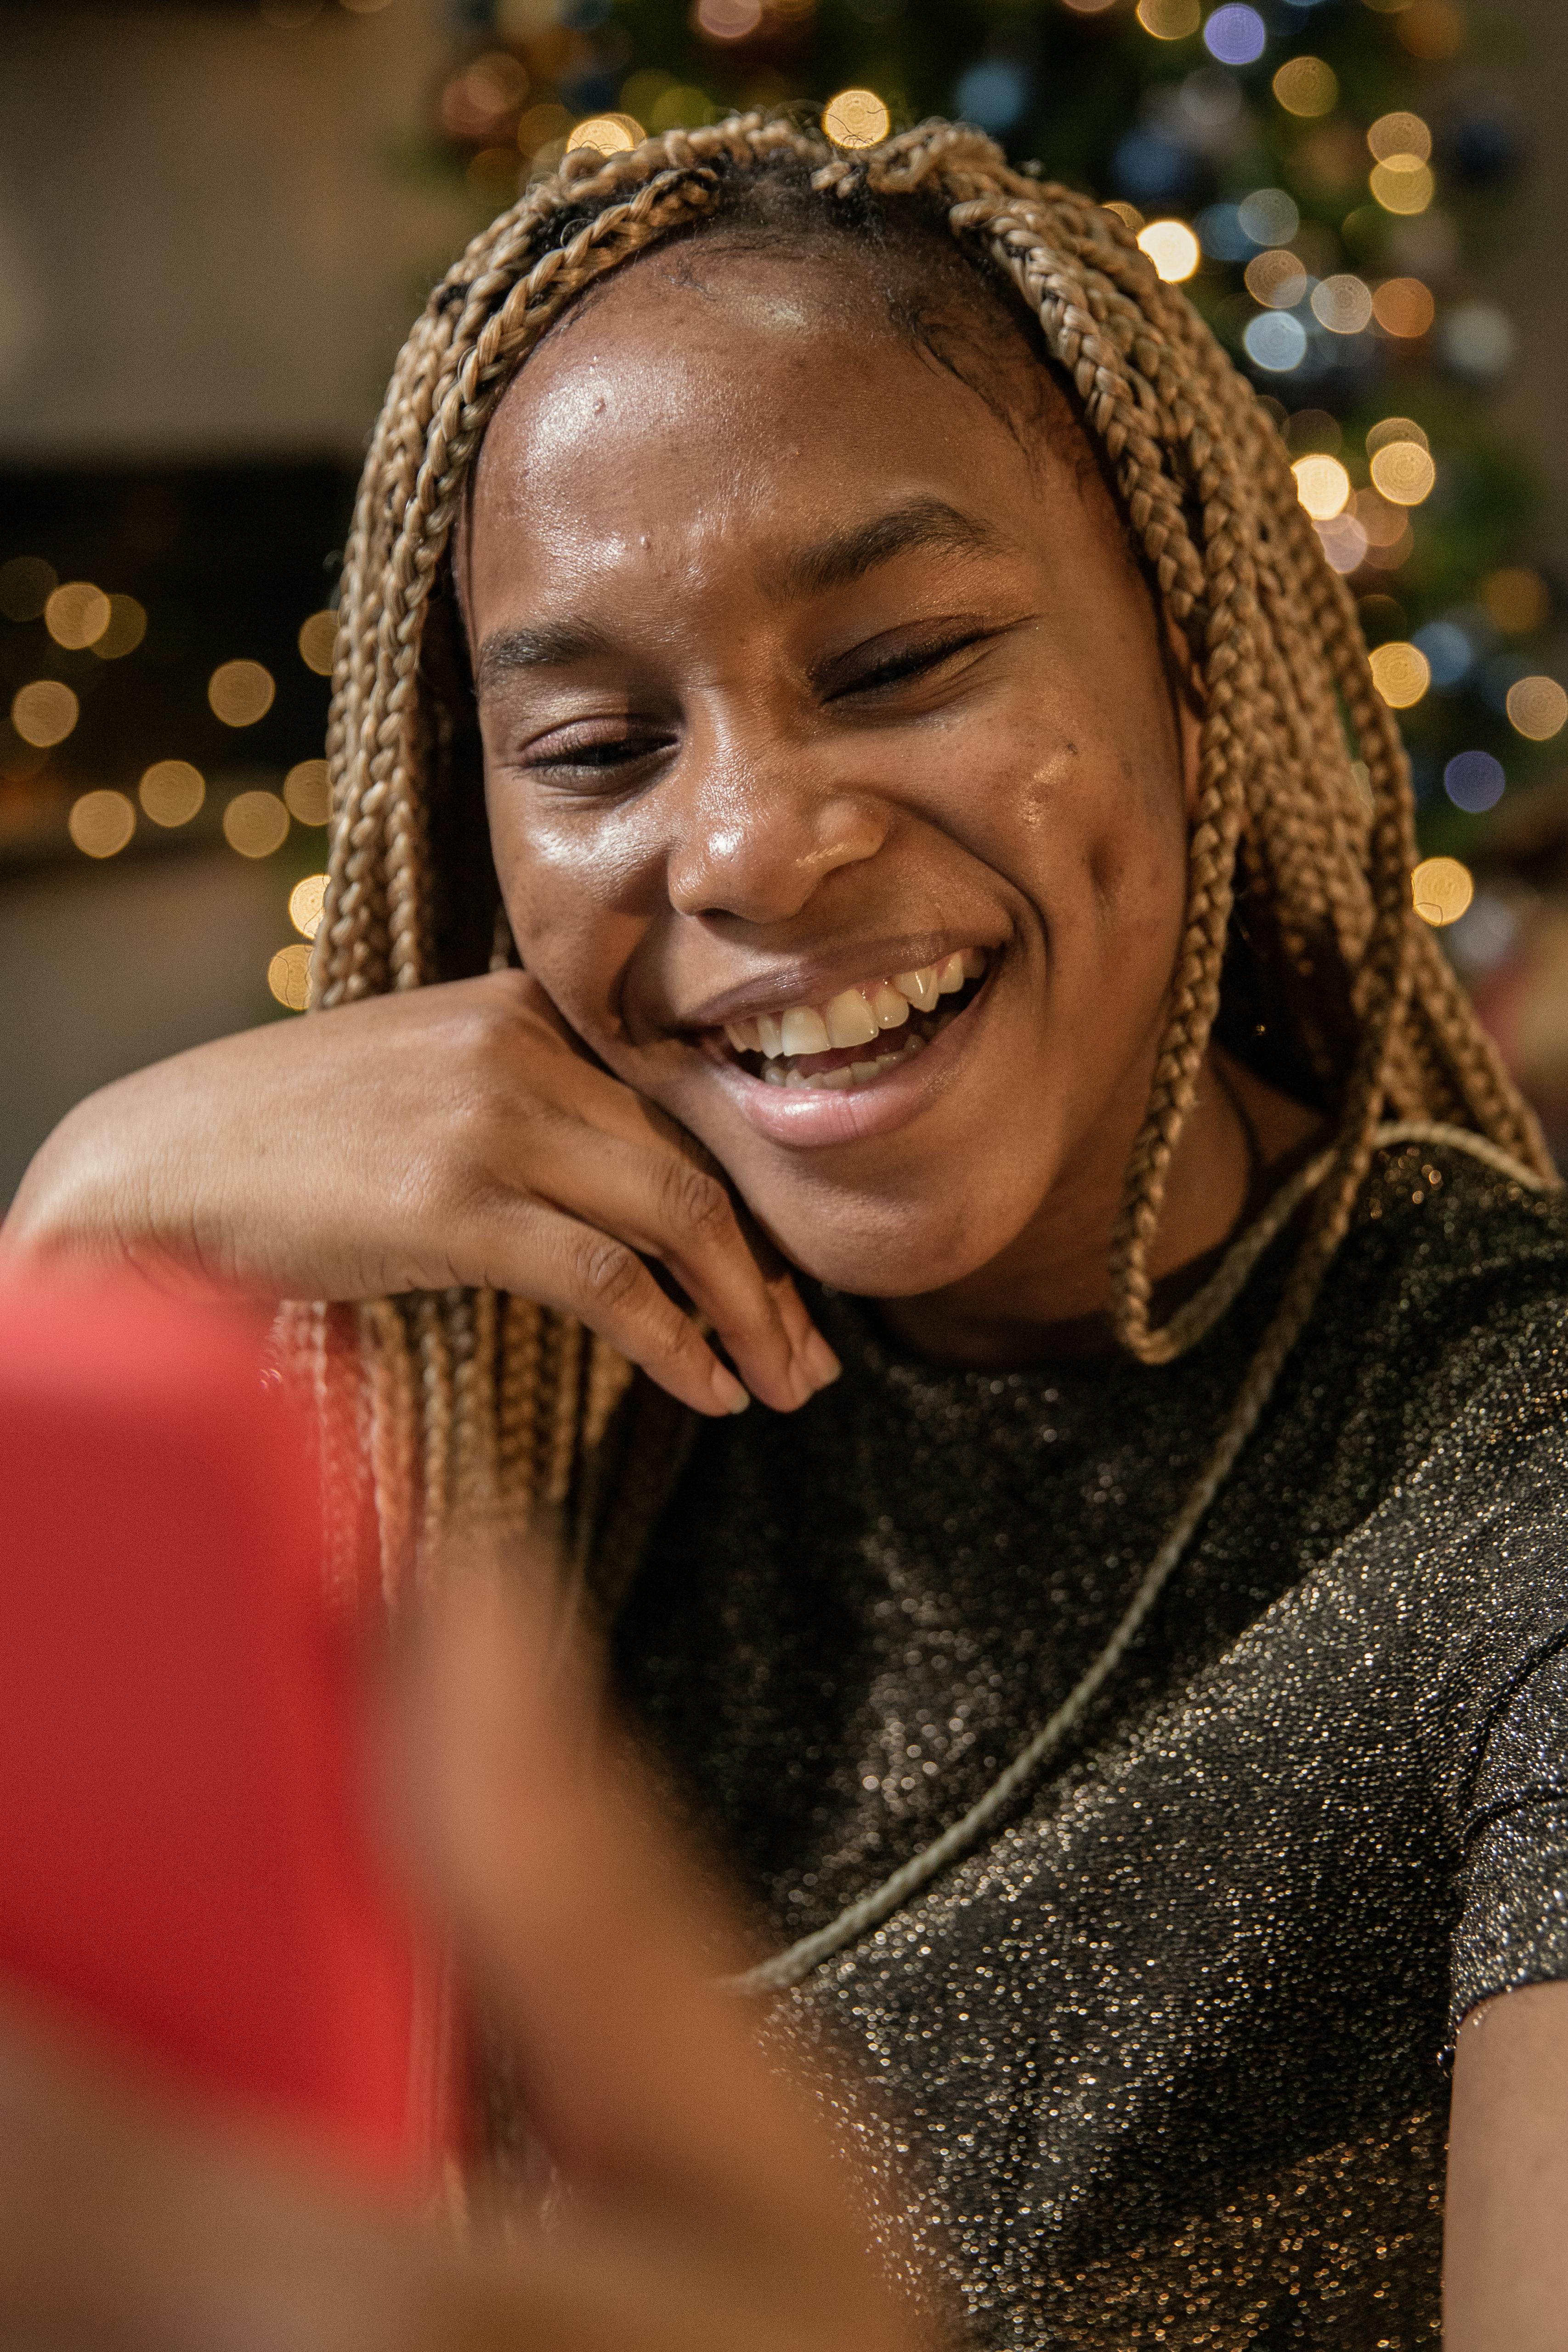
704, 387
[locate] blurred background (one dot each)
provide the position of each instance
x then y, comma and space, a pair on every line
219, 216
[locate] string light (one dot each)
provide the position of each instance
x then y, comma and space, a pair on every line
240, 692
1276, 279
1172, 248
1404, 472
1306, 86
1402, 186
127, 628
171, 792
1474, 781
857, 118
1537, 709
728, 20
1441, 889
101, 823
288, 977
306, 900
1235, 35
1322, 485
255, 824
306, 794
76, 615
1403, 307
610, 134
1394, 137
1517, 599
1401, 673
1343, 304
317, 641
1170, 20
44, 713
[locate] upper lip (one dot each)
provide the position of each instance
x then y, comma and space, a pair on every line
813, 981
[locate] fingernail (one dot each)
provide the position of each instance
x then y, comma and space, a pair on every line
824, 1364
729, 1392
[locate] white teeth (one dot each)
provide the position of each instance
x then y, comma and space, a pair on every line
804, 1031
849, 1019
855, 1016
920, 986
891, 1009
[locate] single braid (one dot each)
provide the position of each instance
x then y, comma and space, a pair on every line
475, 1402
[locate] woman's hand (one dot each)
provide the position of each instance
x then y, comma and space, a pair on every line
704, 2210
449, 1135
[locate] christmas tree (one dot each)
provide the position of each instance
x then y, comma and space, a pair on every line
1326, 177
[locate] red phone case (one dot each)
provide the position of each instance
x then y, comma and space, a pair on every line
184, 1859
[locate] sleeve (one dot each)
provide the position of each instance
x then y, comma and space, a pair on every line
1489, 1620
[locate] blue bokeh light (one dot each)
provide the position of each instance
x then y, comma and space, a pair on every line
1276, 342
1448, 650
993, 93
1235, 35
1474, 780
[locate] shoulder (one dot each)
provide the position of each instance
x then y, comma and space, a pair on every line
1442, 1242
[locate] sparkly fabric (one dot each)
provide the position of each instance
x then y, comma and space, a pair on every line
1166, 2054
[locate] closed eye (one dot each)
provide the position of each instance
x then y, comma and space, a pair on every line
896, 667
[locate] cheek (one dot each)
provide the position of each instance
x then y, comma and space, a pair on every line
579, 903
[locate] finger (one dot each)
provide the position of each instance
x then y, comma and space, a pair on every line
668, 1205
583, 1271
602, 1942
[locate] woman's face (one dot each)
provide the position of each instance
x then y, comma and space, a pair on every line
824, 711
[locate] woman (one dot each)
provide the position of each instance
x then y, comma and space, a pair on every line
840, 625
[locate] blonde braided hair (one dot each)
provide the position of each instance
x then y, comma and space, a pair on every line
476, 1404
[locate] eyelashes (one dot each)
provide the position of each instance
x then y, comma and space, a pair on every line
618, 758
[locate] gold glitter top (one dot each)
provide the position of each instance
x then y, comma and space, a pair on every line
1163, 2060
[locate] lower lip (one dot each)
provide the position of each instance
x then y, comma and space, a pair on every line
808, 1116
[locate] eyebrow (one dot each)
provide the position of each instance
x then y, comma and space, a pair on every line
849, 554
832, 563
554, 644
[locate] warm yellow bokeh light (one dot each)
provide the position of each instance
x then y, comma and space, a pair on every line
1538, 709
1394, 428
1277, 278
1404, 472
255, 824
857, 118
1518, 599
1441, 889
306, 792
1307, 86
26, 583
44, 713
1403, 306
171, 792
610, 134
1401, 674
1402, 186
318, 638
241, 692
306, 900
1343, 304
1170, 20
127, 628
1172, 248
288, 976
76, 615
1392, 135
101, 823
1322, 485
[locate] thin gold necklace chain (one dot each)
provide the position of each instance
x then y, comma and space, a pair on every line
798, 1962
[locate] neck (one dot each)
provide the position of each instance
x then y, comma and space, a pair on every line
1010, 1311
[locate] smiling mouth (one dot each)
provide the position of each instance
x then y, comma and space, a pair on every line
863, 1033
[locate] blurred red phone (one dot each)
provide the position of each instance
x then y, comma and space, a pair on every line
185, 1859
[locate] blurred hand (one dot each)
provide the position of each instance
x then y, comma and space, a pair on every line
705, 2211
448, 1135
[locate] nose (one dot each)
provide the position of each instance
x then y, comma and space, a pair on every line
757, 838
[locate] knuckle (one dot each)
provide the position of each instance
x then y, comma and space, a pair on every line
696, 1205
609, 1274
